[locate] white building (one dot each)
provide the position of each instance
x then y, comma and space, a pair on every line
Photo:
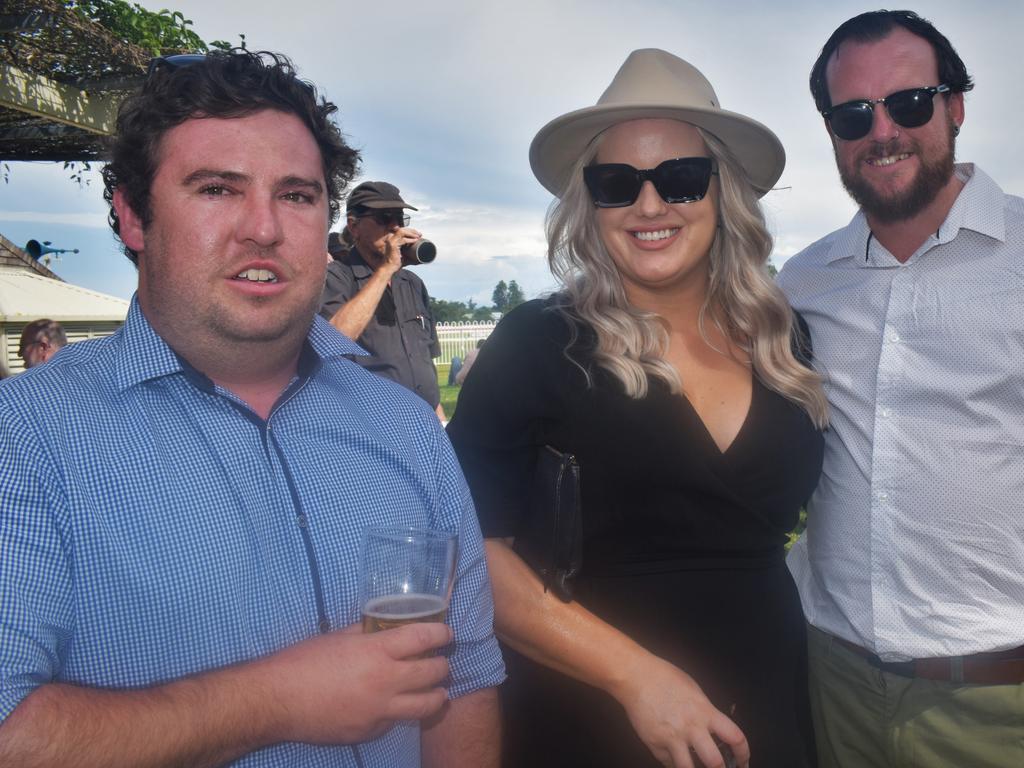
29, 291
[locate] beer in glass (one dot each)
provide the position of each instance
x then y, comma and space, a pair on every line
406, 576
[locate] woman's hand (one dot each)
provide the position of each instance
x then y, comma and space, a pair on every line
666, 708
674, 718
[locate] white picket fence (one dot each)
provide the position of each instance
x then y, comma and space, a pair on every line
458, 338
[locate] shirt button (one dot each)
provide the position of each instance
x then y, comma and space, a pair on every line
893, 336
886, 412
323, 625
301, 520
883, 495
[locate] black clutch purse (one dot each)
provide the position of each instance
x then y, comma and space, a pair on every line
552, 543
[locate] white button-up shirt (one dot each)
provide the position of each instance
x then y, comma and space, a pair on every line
915, 539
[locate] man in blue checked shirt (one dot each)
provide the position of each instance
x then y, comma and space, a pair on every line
179, 545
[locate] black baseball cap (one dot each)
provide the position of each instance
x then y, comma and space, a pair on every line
376, 195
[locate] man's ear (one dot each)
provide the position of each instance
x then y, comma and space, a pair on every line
955, 107
130, 225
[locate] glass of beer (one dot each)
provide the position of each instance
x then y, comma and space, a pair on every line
406, 576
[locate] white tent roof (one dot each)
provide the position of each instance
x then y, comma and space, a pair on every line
26, 296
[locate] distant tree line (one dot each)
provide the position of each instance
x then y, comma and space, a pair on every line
504, 297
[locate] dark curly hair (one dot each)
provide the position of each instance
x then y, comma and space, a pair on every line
233, 83
874, 26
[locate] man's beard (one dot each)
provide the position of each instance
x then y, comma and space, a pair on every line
931, 178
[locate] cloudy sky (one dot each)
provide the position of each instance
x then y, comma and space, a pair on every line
444, 96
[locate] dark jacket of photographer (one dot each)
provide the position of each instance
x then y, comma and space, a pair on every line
401, 338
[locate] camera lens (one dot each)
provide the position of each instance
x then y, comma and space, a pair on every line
420, 252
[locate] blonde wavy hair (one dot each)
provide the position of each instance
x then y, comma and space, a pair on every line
742, 299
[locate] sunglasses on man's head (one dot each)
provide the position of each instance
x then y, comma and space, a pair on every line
617, 185
911, 108
387, 218
171, 63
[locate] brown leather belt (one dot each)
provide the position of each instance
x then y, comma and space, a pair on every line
995, 668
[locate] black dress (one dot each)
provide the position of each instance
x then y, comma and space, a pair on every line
683, 543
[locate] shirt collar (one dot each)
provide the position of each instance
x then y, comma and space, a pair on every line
358, 264
978, 207
145, 355
851, 240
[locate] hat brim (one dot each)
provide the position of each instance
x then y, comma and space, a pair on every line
560, 143
384, 205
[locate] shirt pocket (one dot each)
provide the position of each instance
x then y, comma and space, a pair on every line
967, 348
974, 317
414, 317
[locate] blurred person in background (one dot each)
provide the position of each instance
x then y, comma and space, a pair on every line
41, 340
467, 364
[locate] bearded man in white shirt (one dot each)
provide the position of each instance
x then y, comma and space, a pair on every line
912, 569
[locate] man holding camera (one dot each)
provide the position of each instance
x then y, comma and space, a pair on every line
369, 297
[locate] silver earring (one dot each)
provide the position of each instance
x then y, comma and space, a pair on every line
956, 130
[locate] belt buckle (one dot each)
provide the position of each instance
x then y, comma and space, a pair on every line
901, 668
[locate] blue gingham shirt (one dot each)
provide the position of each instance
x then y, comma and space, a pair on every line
152, 527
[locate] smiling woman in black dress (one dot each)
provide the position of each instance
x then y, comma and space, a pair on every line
672, 368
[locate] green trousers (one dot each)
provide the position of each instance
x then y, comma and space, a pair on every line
866, 718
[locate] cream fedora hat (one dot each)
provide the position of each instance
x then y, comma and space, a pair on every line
650, 84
